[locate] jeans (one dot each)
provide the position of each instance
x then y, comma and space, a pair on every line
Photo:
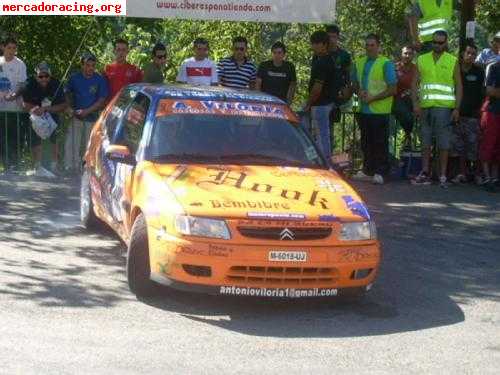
318, 124
72, 146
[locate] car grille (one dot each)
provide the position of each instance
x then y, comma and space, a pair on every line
299, 234
281, 275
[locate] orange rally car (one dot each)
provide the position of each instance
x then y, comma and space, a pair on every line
223, 191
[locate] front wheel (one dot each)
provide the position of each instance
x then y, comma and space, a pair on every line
138, 266
87, 214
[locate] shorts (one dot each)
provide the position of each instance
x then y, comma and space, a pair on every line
489, 149
436, 122
34, 140
465, 138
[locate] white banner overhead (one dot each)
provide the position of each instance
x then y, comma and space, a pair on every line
286, 11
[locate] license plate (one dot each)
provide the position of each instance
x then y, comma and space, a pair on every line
288, 256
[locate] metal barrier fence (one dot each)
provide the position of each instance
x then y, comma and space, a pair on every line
17, 140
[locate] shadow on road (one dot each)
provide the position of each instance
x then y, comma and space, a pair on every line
440, 252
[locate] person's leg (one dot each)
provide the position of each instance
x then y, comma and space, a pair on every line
363, 129
321, 115
426, 138
380, 142
458, 149
471, 142
444, 131
72, 144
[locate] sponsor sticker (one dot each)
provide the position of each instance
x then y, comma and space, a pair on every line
287, 256
275, 216
277, 292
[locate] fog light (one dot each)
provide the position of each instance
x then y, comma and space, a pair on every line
361, 274
199, 271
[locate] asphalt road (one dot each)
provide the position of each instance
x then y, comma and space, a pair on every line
65, 306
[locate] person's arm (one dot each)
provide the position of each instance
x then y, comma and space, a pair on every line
413, 15
491, 82
355, 86
103, 94
414, 93
391, 81
260, 77
182, 75
291, 92
21, 85
258, 84
220, 72
458, 92
253, 79
314, 95
215, 76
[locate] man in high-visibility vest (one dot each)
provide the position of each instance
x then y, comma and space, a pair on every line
437, 96
426, 17
374, 81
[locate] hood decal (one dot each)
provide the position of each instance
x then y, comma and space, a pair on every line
357, 208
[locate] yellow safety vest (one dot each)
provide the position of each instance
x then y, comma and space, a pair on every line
437, 80
434, 17
376, 83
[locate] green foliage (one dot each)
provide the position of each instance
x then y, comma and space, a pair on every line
55, 39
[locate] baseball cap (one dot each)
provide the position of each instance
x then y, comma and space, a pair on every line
43, 67
87, 56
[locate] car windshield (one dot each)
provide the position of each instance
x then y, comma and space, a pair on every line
242, 140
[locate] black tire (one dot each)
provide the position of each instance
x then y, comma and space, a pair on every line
138, 266
87, 214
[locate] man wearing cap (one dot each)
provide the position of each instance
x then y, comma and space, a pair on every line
43, 94
86, 93
490, 55
120, 72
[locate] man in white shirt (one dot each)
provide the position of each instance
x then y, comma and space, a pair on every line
199, 70
13, 122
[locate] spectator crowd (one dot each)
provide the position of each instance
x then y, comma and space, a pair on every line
455, 100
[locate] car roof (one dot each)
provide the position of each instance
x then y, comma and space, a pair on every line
180, 91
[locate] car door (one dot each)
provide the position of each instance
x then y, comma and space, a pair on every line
105, 169
129, 133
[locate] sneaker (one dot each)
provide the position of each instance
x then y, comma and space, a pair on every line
459, 179
42, 172
442, 182
421, 179
361, 176
378, 179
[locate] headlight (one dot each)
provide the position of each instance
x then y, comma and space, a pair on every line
358, 231
201, 227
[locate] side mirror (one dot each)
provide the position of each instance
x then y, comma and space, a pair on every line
120, 154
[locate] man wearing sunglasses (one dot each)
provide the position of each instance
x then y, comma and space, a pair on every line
437, 97
154, 71
44, 94
238, 71
199, 69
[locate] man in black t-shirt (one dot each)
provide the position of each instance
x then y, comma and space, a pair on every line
277, 76
466, 131
43, 94
320, 101
342, 61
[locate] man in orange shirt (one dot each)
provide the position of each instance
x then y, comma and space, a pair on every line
120, 73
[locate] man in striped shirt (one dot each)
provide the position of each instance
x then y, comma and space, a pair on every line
238, 71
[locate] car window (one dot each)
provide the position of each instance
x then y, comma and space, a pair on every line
133, 122
115, 115
232, 140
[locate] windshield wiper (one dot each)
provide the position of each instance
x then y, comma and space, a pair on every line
185, 157
265, 159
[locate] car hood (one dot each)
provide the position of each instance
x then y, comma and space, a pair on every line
263, 192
